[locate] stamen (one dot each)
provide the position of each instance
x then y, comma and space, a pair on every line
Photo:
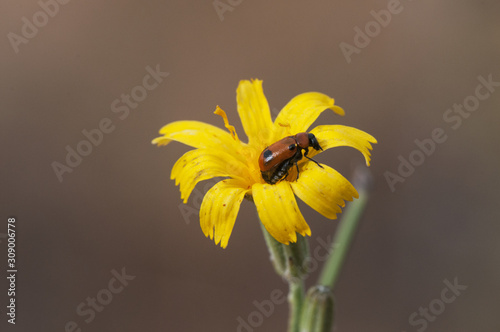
231, 129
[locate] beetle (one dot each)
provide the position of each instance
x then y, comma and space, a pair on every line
277, 159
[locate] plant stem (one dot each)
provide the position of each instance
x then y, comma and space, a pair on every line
289, 262
296, 254
342, 240
295, 301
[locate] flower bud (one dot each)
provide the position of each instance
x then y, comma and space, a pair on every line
317, 313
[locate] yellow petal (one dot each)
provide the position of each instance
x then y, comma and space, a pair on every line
323, 189
300, 112
278, 211
219, 209
253, 110
330, 136
202, 164
198, 135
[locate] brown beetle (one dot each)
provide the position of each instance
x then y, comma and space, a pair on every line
277, 159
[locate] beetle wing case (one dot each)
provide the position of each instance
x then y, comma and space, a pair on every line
277, 159
277, 153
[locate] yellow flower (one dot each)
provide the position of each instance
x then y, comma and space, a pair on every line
219, 153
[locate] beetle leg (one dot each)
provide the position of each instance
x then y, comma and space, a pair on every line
298, 157
314, 161
297, 170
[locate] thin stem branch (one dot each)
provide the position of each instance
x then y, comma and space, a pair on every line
345, 233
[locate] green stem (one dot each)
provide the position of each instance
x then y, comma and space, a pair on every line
296, 254
342, 240
289, 262
295, 301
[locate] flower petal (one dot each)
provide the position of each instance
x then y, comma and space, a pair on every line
300, 112
330, 136
323, 189
219, 209
202, 164
278, 211
198, 135
253, 110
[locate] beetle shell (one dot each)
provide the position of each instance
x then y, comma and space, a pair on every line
277, 159
277, 153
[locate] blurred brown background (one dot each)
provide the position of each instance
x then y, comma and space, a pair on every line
119, 209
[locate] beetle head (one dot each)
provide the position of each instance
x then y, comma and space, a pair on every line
313, 141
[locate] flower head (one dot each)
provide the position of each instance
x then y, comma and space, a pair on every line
220, 153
